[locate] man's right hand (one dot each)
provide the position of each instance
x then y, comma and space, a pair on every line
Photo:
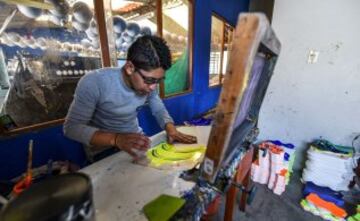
132, 141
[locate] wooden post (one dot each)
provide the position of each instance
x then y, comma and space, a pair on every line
108, 56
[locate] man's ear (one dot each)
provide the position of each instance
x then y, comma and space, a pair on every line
129, 68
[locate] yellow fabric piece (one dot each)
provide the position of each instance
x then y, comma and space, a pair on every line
164, 154
163, 207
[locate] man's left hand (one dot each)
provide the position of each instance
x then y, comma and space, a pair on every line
173, 135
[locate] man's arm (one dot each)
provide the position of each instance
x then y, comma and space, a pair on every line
158, 110
124, 141
80, 114
164, 120
81, 111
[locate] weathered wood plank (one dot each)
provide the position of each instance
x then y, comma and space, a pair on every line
251, 31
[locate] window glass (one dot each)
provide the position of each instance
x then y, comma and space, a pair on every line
132, 19
45, 48
221, 40
215, 53
228, 38
175, 21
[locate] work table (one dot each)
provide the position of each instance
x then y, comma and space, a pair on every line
121, 188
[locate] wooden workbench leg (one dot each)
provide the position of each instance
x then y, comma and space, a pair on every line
242, 177
230, 203
244, 194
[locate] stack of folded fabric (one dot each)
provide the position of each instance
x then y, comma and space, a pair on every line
323, 201
274, 165
329, 170
325, 209
329, 165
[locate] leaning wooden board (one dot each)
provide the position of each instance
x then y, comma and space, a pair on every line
251, 33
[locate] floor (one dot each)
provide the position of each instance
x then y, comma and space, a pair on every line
270, 207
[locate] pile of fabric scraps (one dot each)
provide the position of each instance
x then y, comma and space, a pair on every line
329, 165
202, 121
274, 165
164, 156
323, 201
203, 195
197, 201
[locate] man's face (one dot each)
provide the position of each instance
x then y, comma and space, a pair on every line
143, 82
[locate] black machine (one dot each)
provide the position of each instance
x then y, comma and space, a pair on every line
65, 197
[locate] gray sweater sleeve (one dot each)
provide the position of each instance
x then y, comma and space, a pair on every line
81, 110
158, 110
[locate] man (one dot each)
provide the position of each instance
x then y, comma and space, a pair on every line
103, 113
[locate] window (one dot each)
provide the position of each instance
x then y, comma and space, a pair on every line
46, 47
221, 39
44, 50
176, 23
169, 19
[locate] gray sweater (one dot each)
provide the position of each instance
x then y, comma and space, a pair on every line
102, 101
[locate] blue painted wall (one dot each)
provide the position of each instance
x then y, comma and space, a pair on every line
50, 143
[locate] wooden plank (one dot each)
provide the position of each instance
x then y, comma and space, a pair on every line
159, 22
233, 87
33, 127
252, 30
103, 35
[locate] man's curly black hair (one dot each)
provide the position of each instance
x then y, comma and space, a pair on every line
149, 52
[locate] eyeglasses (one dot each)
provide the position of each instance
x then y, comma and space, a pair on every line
149, 80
